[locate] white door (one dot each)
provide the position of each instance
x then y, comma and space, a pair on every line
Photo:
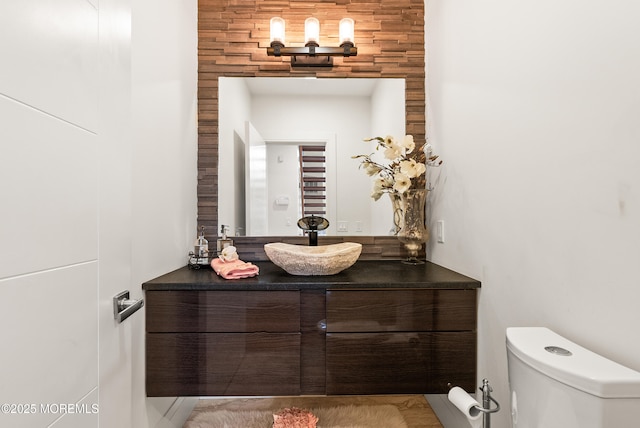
116, 147
115, 212
49, 214
72, 219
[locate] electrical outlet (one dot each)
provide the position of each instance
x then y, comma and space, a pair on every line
343, 226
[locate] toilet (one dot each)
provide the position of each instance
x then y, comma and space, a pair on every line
555, 383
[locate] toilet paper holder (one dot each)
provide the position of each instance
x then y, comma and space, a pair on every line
486, 409
486, 403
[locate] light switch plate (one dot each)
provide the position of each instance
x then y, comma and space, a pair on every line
440, 231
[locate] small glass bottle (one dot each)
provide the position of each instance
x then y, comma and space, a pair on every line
224, 241
201, 249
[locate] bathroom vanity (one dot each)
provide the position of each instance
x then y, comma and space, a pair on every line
379, 327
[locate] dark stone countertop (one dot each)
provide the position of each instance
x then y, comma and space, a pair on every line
364, 274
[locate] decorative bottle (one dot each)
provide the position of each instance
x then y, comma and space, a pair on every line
201, 249
224, 241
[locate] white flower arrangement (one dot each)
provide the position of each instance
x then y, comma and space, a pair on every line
406, 169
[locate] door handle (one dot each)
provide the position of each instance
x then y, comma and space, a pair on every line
124, 307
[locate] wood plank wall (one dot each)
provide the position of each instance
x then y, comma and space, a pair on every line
233, 35
373, 247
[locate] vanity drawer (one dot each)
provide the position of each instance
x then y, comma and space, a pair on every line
199, 364
400, 363
400, 310
222, 311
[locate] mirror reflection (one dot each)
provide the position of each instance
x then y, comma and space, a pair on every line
285, 148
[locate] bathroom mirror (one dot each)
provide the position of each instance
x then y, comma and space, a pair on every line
267, 124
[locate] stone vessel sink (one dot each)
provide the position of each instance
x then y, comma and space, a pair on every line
309, 260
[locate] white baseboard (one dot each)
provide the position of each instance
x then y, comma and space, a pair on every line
178, 413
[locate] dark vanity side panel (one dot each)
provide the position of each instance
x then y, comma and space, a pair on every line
202, 364
400, 363
313, 328
401, 310
173, 311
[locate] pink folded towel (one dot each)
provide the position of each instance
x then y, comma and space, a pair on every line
234, 269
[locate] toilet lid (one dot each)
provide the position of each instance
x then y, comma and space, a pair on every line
571, 364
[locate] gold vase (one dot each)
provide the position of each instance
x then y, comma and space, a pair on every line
413, 230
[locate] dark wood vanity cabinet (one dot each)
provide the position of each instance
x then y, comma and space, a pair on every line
303, 340
223, 343
399, 341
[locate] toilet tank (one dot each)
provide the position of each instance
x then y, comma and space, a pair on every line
556, 383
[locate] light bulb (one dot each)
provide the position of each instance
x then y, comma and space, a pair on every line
311, 31
346, 31
277, 30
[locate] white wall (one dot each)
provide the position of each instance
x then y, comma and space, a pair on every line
388, 117
290, 117
164, 170
234, 103
283, 181
534, 108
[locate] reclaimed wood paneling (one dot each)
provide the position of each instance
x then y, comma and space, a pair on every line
373, 247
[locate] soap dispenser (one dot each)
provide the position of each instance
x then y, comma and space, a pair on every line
224, 241
201, 249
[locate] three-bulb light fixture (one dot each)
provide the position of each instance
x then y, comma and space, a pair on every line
312, 55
